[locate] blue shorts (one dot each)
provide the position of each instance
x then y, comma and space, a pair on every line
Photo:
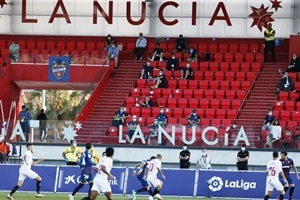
289, 180
130, 133
86, 178
143, 181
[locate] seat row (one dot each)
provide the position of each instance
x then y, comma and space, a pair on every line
190, 103
190, 93
287, 115
72, 53
286, 96
288, 105
195, 84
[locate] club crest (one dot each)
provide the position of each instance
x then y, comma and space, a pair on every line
59, 68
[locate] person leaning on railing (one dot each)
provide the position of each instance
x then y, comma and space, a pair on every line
14, 51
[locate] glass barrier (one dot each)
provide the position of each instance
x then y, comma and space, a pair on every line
38, 59
209, 135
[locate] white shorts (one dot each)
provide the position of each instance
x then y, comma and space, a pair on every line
27, 173
273, 183
101, 186
154, 181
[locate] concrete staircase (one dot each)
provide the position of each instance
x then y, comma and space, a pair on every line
111, 99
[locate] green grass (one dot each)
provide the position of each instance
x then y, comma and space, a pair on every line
31, 196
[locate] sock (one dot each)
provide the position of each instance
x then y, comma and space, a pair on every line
281, 196
14, 190
141, 190
38, 187
286, 189
292, 191
77, 189
150, 191
156, 191
91, 185
266, 197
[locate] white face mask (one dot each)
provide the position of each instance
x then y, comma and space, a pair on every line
270, 113
160, 74
194, 114
191, 50
204, 154
184, 147
243, 148
148, 64
113, 46
109, 38
151, 92
134, 120
74, 144
173, 57
155, 123
187, 66
162, 111
121, 110
294, 57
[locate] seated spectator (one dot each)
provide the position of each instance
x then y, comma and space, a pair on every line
193, 119
108, 42
147, 70
162, 118
132, 125
269, 121
14, 51
140, 46
161, 81
113, 54
173, 63
294, 65
158, 53
4, 150
120, 117
187, 73
285, 84
151, 100
153, 132
193, 55
181, 44
275, 134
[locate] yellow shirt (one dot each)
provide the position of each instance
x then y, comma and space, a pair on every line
73, 154
96, 156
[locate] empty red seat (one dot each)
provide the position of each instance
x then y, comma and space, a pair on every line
285, 115
193, 84
90, 46
245, 67
141, 83
226, 122
296, 116
172, 103
224, 66
230, 76
214, 66
235, 104
259, 57
292, 125
209, 75
220, 94
188, 93
182, 84
50, 45
253, 48
283, 96
85, 53
225, 85
177, 113
221, 114
228, 57
172, 84
240, 76
31, 44
74, 53
230, 94
204, 84
162, 102
55, 53
255, 67
239, 57
61, 45
135, 111
223, 48
210, 114
214, 85
205, 123
177, 93
219, 76
135, 92
145, 91
250, 76
146, 112
2, 44
233, 48
71, 45
172, 121
226, 104
198, 94
130, 46
290, 105
212, 48
95, 54
243, 48
80, 46
235, 85
218, 57
202, 47
231, 114
246, 85
166, 93
235, 66
241, 94
22, 44
204, 103
100, 46
249, 57
198, 75
278, 106
113, 131
35, 51
187, 112
155, 112
209, 94
130, 101
168, 74
215, 104
193, 103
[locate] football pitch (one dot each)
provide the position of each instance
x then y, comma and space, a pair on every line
31, 196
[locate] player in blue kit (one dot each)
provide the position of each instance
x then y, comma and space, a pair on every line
140, 176
287, 163
86, 164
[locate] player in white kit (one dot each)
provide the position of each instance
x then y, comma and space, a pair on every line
103, 169
25, 171
274, 168
153, 167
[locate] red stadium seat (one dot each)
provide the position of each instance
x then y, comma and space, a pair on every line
202, 48
35, 51
285, 115
75, 53
71, 45
235, 85
210, 114
221, 114
204, 103
167, 93
177, 113
223, 48
228, 57
162, 102
95, 54
230, 94
215, 122
278, 106
214, 85
31, 44
246, 85
145, 91
259, 57
65, 52
209, 75
283, 96
204, 84
255, 67
182, 84
85, 53
113, 131
249, 57
220, 94
146, 112
239, 57
172, 103
135, 92
290, 105
240, 76
226, 122
155, 111
292, 125
205, 122
225, 85
215, 104
193, 84
250, 76
80, 46
226, 104
2, 44
193, 103
172, 121
168, 74
253, 48
224, 66
60, 45
130, 46
198, 75
204, 66
214, 66
172, 84
235, 104
130, 101
135, 111
187, 112
188, 93
219, 76
209, 94
55, 53
90, 46
231, 114
141, 83
218, 57
245, 67
241, 94
233, 48
177, 93
244, 48
230, 76
212, 48
198, 94
296, 116
50, 45
100, 46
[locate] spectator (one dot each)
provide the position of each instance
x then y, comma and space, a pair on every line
184, 158
72, 153
193, 55
4, 150
14, 51
204, 161
95, 155
120, 117
269, 120
140, 46
153, 133
158, 53
42, 117
113, 54
151, 100
242, 158
275, 134
193, 119
132, 125
173, 63
162, 118
161, 81
187, 73
30, 118
181, 44
269, 35
147, 70
294, 64
108, 42
285, 84
24, 117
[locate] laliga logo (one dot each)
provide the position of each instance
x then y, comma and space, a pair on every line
216, 184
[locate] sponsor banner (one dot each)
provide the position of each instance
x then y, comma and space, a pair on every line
10, 173
68, 179
59, 69
235, 184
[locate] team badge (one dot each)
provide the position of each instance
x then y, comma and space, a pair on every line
59, 68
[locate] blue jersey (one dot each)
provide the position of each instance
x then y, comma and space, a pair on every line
85, 162
286, 166
144, 167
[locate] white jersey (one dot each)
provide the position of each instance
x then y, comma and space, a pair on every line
152, 166
204, 162
27, 160
108, 163
274, 167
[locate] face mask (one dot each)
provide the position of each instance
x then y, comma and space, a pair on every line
294, 57
134, 120
187, 66
121, 110
194, 114
148, 64
191, 50
161, 111
155, 123
109, 38
160, 74
173, 57
243, 148
204, 154
113, 46
14, 44
184, 147
74, 144
270, 113
151, 92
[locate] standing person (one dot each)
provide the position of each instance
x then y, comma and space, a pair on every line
42, 117
204, 161
24, 117
72, 153
14, 51
101, 183
153, 167
86, 164
269, 35
242, 158
181, 44
113, 54
140, 46
108, 42
184, 158
287, 163
273, 171
140, 176
26, 172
